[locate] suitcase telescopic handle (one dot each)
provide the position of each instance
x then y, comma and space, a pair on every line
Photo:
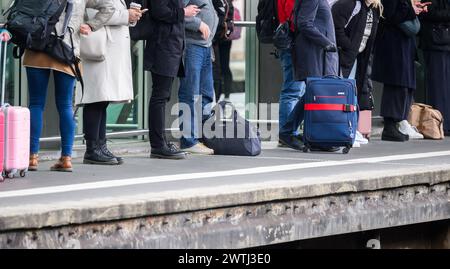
4, 50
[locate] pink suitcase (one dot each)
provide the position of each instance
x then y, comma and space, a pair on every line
365, 123
16, 134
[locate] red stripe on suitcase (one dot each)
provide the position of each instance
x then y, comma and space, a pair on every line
333, 107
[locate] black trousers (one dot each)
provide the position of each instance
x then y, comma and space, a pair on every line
438, 83
162, 86
94, 121
396, 102
223, 77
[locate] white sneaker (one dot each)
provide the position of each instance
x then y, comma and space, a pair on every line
361, 139
200, 149
221, 98
405, 128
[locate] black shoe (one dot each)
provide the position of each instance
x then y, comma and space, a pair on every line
108, 153
325, 149
170, 152
95, 155
291, 141
391, 133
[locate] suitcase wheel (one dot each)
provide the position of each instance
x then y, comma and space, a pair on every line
306, 149
346, 150
23, 173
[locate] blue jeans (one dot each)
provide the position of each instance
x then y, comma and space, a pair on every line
37, 86
290, 94
197, 86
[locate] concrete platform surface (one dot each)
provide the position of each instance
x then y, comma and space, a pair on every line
145, 187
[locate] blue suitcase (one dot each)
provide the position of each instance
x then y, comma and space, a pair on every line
331, 113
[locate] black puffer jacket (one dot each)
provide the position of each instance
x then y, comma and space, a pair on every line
349, 35
437, 16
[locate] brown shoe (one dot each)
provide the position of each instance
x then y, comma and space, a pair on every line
64, 164
33, 164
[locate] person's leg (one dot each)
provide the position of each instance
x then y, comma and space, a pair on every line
225, 51
64, 87
189, 94
438, 83
161, 149
102, 134
392, 109
291, 93
217, 72
37, 89
102, 126
162, 86
95, 133
207, 85
92, 117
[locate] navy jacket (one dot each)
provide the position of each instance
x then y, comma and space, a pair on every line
314, 31
395, 52
165, 46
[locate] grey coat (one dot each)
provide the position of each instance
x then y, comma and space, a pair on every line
105, 8
315, 31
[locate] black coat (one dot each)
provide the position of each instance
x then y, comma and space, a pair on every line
164, 50
314, 32
349, 40
395, 52
438, 15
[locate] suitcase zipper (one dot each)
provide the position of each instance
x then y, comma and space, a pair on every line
316, 97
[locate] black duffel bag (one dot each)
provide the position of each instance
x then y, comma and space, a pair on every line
230, 136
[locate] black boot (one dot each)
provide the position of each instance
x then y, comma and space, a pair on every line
391, 132
95, 155
108, 153
170, 151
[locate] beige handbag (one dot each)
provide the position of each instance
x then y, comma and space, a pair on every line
93, 46
428, 121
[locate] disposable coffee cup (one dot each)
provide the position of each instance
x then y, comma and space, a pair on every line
134, 5
137, 6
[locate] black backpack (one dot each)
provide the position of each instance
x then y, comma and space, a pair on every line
266, 20
32, 24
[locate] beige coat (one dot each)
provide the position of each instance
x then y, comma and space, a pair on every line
111, 79
105, 8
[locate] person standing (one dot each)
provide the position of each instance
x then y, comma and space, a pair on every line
198, 84
315, 39
38, 67
223, 78
356, 24
292, 90
395, 54
163, 57
107, 81
435, 43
